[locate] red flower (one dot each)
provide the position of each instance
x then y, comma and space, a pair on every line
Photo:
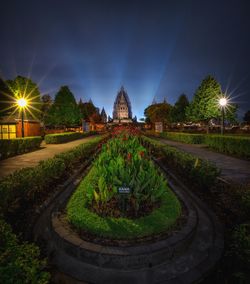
129, 156
142, 153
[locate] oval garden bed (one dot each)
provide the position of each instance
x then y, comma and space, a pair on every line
123, 223
123, 196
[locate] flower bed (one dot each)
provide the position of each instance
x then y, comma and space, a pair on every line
58, 138
98, 207
12, 147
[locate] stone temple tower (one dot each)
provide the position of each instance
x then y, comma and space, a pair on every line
122, 107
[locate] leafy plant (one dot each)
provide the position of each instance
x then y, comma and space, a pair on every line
19, 262
157, 221
123, 162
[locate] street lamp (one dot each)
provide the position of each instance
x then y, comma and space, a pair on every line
223, 103
22, 103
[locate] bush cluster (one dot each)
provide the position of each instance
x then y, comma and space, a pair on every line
239, 253
198, 171
58, 138
12, 147
233, 145
28, 184
19, 262
184, 137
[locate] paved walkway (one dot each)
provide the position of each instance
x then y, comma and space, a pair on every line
32, 159
232, 169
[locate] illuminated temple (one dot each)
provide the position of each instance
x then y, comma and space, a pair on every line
122, 111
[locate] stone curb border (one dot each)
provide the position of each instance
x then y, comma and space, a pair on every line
129, 257
187, 266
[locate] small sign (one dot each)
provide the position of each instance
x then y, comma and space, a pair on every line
124, 190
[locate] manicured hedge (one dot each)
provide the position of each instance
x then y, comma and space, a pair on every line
12, 147
19, 262
184, 137
198, 171
233, 145
28, 184
58, 138
160, 220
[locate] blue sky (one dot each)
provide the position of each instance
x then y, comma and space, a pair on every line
155, 49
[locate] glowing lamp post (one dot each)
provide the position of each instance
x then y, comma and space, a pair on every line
223, 103
22, 103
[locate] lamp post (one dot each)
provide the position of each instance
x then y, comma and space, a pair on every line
223, 103
22, 104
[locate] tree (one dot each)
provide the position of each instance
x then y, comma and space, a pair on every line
135, 119
22, 87
178, 111
158, 113
7, 102
64, 112
46, 105
95, 117
103, 115
231, 113
247, 117
204, 105
87, 110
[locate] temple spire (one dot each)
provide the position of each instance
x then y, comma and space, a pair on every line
122, 106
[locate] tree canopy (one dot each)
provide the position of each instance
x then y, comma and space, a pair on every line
22, 87
178, 113
6, 99
158, 113
247, 117
46, 105
87, 110
204, 105
64, 111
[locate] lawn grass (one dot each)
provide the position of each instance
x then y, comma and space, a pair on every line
160, 220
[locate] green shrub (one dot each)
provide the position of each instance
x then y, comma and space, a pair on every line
234, 145
12, 147
184, 137
19, 262
26, 185
239, 253
199, 172
66, 137
159, 220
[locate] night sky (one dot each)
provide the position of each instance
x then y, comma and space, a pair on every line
154, 48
